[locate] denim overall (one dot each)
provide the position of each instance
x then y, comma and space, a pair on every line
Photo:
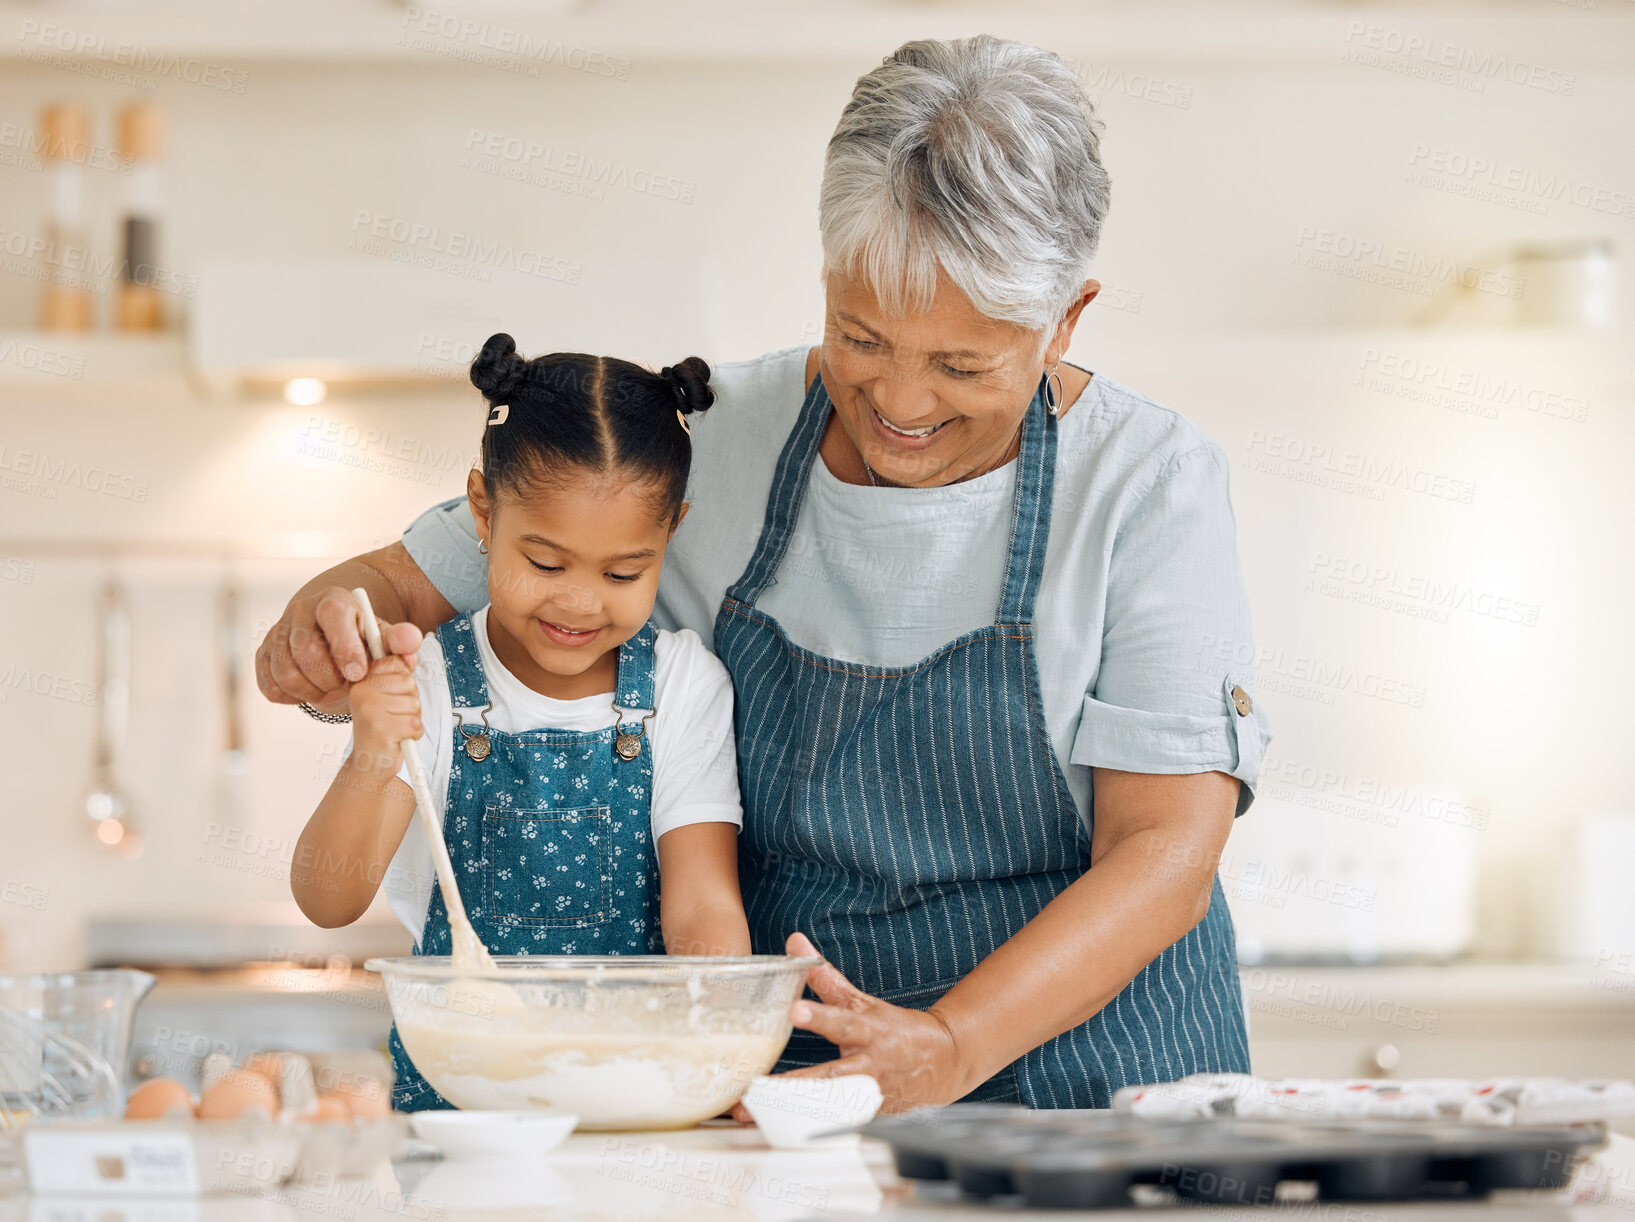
548, 835
911, 819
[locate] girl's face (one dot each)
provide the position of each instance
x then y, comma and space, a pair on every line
573, 568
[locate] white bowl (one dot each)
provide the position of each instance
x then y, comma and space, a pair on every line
490, 1136
793, 1113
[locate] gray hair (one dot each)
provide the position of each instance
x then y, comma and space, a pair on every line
978, 156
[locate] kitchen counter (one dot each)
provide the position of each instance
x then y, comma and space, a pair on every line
1470, 1020
1464, 1020
723, 1171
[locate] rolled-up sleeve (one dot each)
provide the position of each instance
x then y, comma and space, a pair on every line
443, 542
1175, 689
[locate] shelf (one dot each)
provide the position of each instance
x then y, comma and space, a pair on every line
70, 357
272, 545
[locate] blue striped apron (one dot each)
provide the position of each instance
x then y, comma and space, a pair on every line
548, 835
911, 819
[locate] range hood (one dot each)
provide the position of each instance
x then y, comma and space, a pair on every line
260, 321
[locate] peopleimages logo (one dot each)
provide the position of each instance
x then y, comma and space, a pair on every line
36, 150
35, 357
467, 254
1304, 669
1477, 392
61, 472
458, 37
1501, 176
1299, 458
534, 161
1358, 256
1447, 62
1329, 574
83, 44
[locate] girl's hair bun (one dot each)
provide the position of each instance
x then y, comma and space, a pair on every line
497, 370
691, 382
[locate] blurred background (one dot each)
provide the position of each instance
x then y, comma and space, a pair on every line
1379, 251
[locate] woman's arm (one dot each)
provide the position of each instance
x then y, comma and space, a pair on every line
1156, 847
346, 846
1157, 844
700, 909
314, 652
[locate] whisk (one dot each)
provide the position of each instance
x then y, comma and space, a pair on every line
46, 1073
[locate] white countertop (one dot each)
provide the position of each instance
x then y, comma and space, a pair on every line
723, 1171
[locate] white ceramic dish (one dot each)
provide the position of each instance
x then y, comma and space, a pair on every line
792, 1113
491, 1136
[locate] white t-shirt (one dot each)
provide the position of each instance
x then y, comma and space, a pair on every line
695, 762
1143, 624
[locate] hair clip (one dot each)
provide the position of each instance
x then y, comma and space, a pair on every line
685, 426
498, 414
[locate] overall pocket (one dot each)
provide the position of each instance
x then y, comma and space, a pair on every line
547, 867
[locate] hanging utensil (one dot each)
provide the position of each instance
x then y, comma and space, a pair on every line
107, 805
232, 769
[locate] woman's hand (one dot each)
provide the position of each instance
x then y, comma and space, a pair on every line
385, 712
911, 1053
315, 652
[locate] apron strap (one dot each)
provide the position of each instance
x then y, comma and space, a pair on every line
783, 501
467, 688
1030, 516
634, 685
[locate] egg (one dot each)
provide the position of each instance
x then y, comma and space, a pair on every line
367, 1097
236, 1093
332, 1109
157, 1098
270, 1065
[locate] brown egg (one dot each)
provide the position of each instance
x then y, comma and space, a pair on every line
368, 1098
269, 1065
332, 1109
156, 1098
237, 1092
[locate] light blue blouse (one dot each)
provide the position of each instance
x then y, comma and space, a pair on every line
1142, 613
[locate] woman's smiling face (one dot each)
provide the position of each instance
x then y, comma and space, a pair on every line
933, 398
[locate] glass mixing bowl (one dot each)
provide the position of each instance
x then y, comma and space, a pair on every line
65, 1041
622, 1041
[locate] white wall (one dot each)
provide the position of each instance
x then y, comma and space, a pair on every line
1208, 308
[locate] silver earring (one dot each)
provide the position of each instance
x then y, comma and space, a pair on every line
482, 547
1053, 393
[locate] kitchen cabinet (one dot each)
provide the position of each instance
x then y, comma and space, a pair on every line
1461, 1021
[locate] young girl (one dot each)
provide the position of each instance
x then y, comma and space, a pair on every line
567, 735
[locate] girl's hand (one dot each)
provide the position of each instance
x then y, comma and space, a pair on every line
385, 712
911, 1053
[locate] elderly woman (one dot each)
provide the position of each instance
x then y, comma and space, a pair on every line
972, 598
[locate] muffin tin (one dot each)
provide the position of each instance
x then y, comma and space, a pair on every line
1093, 1159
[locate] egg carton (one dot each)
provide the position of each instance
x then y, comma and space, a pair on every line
252, 1156
1105, 1159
